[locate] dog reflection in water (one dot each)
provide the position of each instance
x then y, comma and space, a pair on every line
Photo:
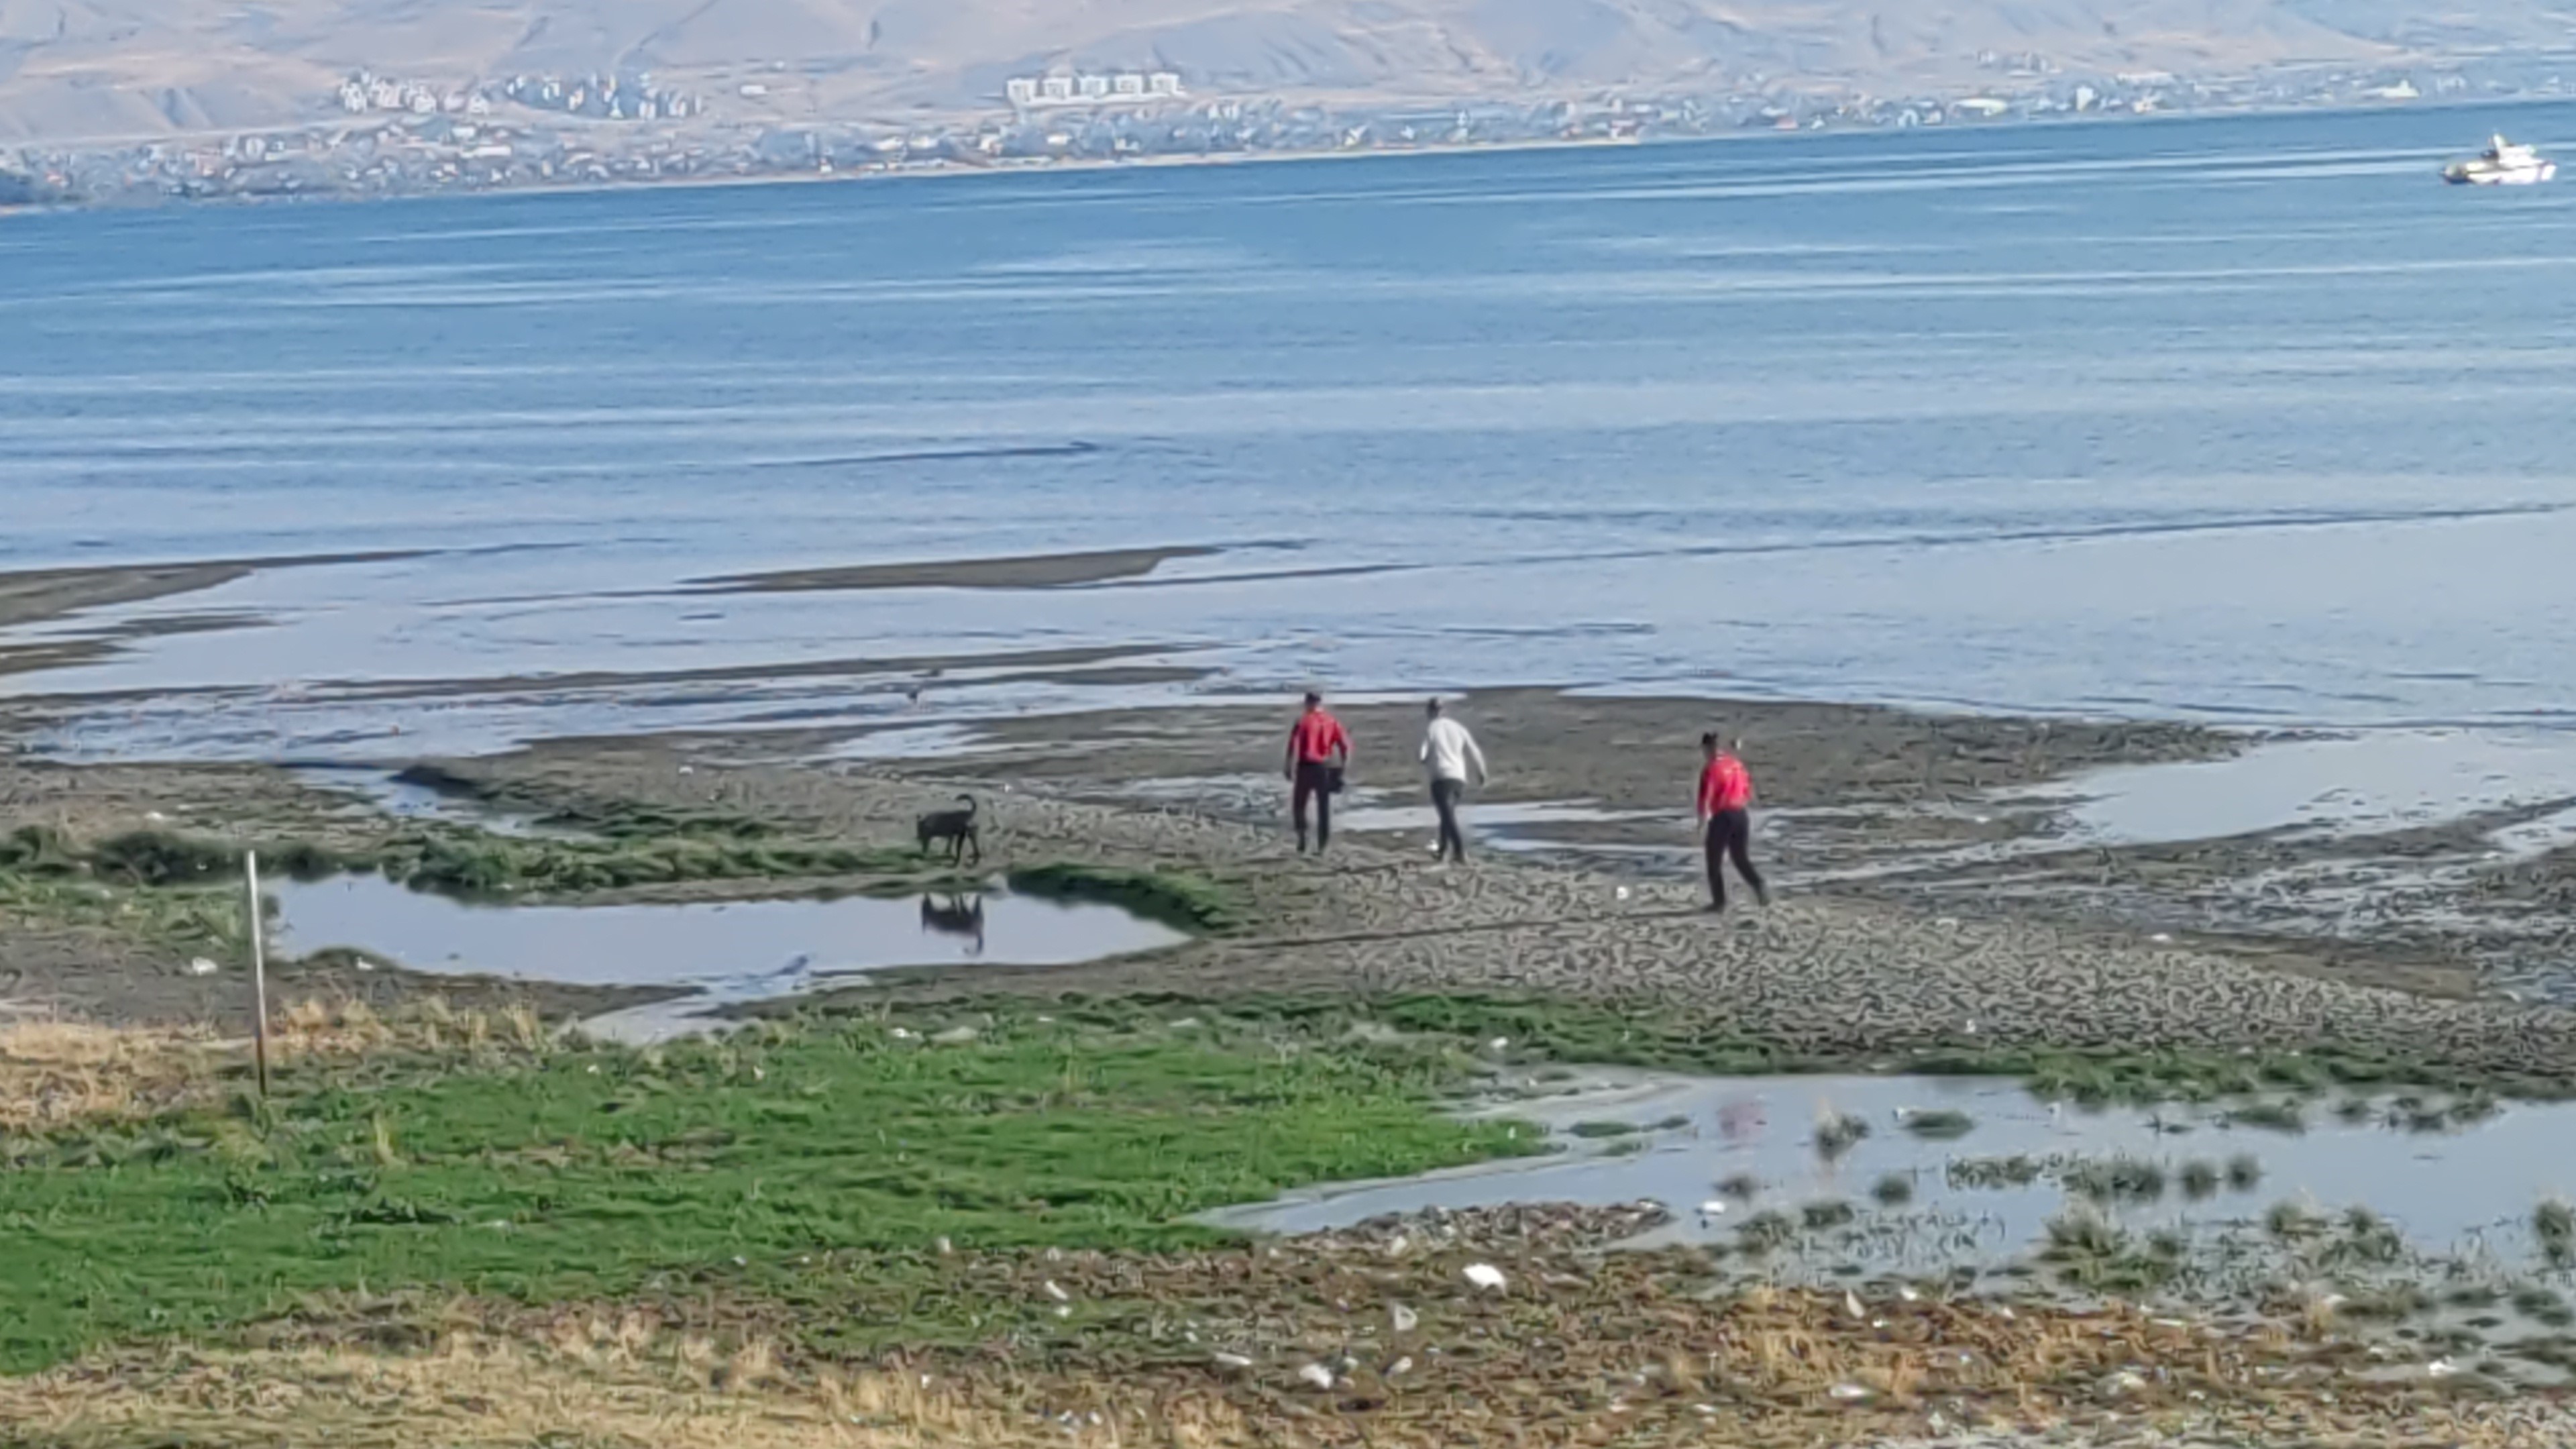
956, 916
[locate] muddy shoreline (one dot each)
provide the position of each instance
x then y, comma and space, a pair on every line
1923, 900
43, 596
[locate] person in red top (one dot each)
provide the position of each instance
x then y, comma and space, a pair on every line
1319, 753
1726, 821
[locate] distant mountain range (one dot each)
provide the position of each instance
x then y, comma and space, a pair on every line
113, 69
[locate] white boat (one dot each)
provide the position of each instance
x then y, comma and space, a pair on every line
2501, 164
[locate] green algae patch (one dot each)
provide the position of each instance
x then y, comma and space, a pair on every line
1179, 899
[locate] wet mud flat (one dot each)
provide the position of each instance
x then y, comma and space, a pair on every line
37, 597
1827, 973
1940, 814
122, 891
2439, 862
1599, 903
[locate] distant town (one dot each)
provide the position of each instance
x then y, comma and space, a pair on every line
387, 136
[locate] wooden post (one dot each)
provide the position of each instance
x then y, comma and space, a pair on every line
258, 971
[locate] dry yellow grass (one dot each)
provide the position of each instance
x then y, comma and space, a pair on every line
627, 1387
620, 1377
57, 1073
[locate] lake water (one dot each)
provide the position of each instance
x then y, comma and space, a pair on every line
2240, 419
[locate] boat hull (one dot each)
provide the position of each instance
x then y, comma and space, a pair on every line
2520, 176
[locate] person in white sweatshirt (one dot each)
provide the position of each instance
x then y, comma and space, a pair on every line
1449, 753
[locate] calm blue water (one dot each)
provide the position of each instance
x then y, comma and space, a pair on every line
2246, 419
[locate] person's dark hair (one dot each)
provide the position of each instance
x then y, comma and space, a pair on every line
1708, 741
1433, 708
1313, 699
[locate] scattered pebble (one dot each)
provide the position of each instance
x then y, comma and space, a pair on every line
1486, 1276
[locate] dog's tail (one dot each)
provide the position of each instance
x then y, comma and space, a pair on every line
970, 804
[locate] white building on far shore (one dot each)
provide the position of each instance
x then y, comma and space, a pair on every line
1037, 92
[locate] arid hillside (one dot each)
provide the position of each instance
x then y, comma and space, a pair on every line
81, 69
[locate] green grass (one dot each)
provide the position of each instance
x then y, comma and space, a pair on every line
612, 819
210, 923
455, 860
475, 864
592, 1172
1660, 1035
1176, 898
1940, 1124
2270, 1116
2117, 1179
472, 864
1604, 1129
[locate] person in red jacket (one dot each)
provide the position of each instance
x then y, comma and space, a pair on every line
1319, 755
1726, 821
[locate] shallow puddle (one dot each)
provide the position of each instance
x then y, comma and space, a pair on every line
2335, 785
1696, 1145
1503, 825
722, 952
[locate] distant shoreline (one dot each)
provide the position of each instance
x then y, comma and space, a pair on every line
946, 169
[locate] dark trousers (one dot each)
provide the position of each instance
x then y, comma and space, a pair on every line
1315, 782
1730, 837
1444, 799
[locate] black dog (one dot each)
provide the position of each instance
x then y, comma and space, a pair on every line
955, 916
956, 827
